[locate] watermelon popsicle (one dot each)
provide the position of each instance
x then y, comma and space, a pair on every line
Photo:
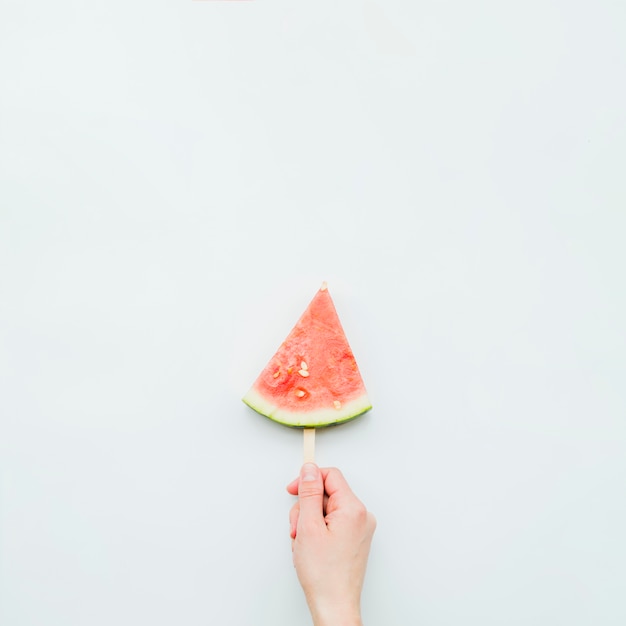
313, 380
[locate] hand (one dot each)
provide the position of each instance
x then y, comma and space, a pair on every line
331, 533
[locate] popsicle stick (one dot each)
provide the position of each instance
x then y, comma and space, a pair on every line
309, 445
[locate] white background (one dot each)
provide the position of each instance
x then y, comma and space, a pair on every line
176, 180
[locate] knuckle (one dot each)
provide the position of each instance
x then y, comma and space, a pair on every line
336, 471
358, 512
361, 512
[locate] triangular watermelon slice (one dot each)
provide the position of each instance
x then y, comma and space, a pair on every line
313, 379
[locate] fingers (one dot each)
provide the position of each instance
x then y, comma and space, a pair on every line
292, 487
294, 513
344, 506
293, 519
336, 484
311, 496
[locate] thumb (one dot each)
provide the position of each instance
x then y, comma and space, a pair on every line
311, 494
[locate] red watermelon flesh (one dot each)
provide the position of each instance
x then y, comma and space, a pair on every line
313, 379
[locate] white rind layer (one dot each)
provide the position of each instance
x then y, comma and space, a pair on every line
312, 419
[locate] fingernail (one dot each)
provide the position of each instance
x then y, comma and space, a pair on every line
309, 472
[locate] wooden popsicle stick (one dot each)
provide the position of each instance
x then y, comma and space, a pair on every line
309, 445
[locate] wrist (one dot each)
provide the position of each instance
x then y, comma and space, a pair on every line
336, 616
354, 620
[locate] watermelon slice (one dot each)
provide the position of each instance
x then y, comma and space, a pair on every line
313, 379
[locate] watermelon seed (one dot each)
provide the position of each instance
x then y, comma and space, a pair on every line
337, 404
276, 373
303, 373
304, 366
300, 393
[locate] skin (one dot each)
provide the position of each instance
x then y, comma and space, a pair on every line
331, 533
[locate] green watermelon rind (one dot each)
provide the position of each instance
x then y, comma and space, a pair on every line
319, 418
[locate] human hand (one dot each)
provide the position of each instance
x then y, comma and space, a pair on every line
331, 533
